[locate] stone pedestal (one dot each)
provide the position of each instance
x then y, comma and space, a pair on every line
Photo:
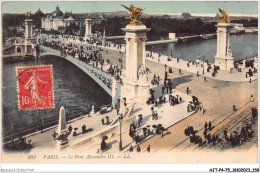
62, 141
224, 58
135, 83
88, 29
172, 36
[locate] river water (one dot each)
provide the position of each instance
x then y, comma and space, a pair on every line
242, 46
73, 89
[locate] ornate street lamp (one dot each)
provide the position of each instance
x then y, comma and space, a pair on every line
120, 121
203, 64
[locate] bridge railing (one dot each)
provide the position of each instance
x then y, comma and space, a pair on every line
102, 76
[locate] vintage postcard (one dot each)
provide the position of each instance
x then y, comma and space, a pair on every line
129, 82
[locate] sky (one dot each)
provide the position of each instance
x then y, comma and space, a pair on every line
195, 7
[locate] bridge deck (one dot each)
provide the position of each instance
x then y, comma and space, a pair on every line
101, 77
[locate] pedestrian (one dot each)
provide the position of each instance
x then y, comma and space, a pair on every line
107, 120
205, 134
54, 135
206, 126
209, 138
180, 71
70, 129
213, 139
205, 79
163, 90
117, 110
140, 120
210, 126
136, 138
83, 129
234, 108
187, 90
138, 149
170, 89
131, 148
252, 98
225, 133
148, 149
202, 109
103, 121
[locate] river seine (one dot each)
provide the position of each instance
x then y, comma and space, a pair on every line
241, 46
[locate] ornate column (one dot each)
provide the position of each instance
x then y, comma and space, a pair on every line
88, 28
224, 58
135, 83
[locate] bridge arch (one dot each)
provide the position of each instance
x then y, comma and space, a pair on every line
102, 78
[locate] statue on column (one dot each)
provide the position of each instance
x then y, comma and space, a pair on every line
28, 14
224, 17
88, 15
135, 13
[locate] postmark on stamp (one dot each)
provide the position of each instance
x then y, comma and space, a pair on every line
35, 87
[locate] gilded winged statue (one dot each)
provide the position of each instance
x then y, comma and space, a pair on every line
88, 15
135, 14
28, 14
224, 17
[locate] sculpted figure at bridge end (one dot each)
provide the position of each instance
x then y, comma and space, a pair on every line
88, 15
142, 74
135, 14
224, 17
28, 14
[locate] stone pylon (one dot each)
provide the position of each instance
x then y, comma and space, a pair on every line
62, 121
29, 38
135, 83
88, 28
224, 58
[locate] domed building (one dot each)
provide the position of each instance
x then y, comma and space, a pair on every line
57, 18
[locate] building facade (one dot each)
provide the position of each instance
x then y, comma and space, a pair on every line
58, 19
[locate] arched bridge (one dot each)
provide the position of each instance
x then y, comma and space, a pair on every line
102, 78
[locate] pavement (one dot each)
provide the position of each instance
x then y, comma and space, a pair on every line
45, 139
221, 75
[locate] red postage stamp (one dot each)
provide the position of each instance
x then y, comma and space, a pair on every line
35, 87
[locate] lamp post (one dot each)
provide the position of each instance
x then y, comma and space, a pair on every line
120, 61
165, 66
203, 64
120, 121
